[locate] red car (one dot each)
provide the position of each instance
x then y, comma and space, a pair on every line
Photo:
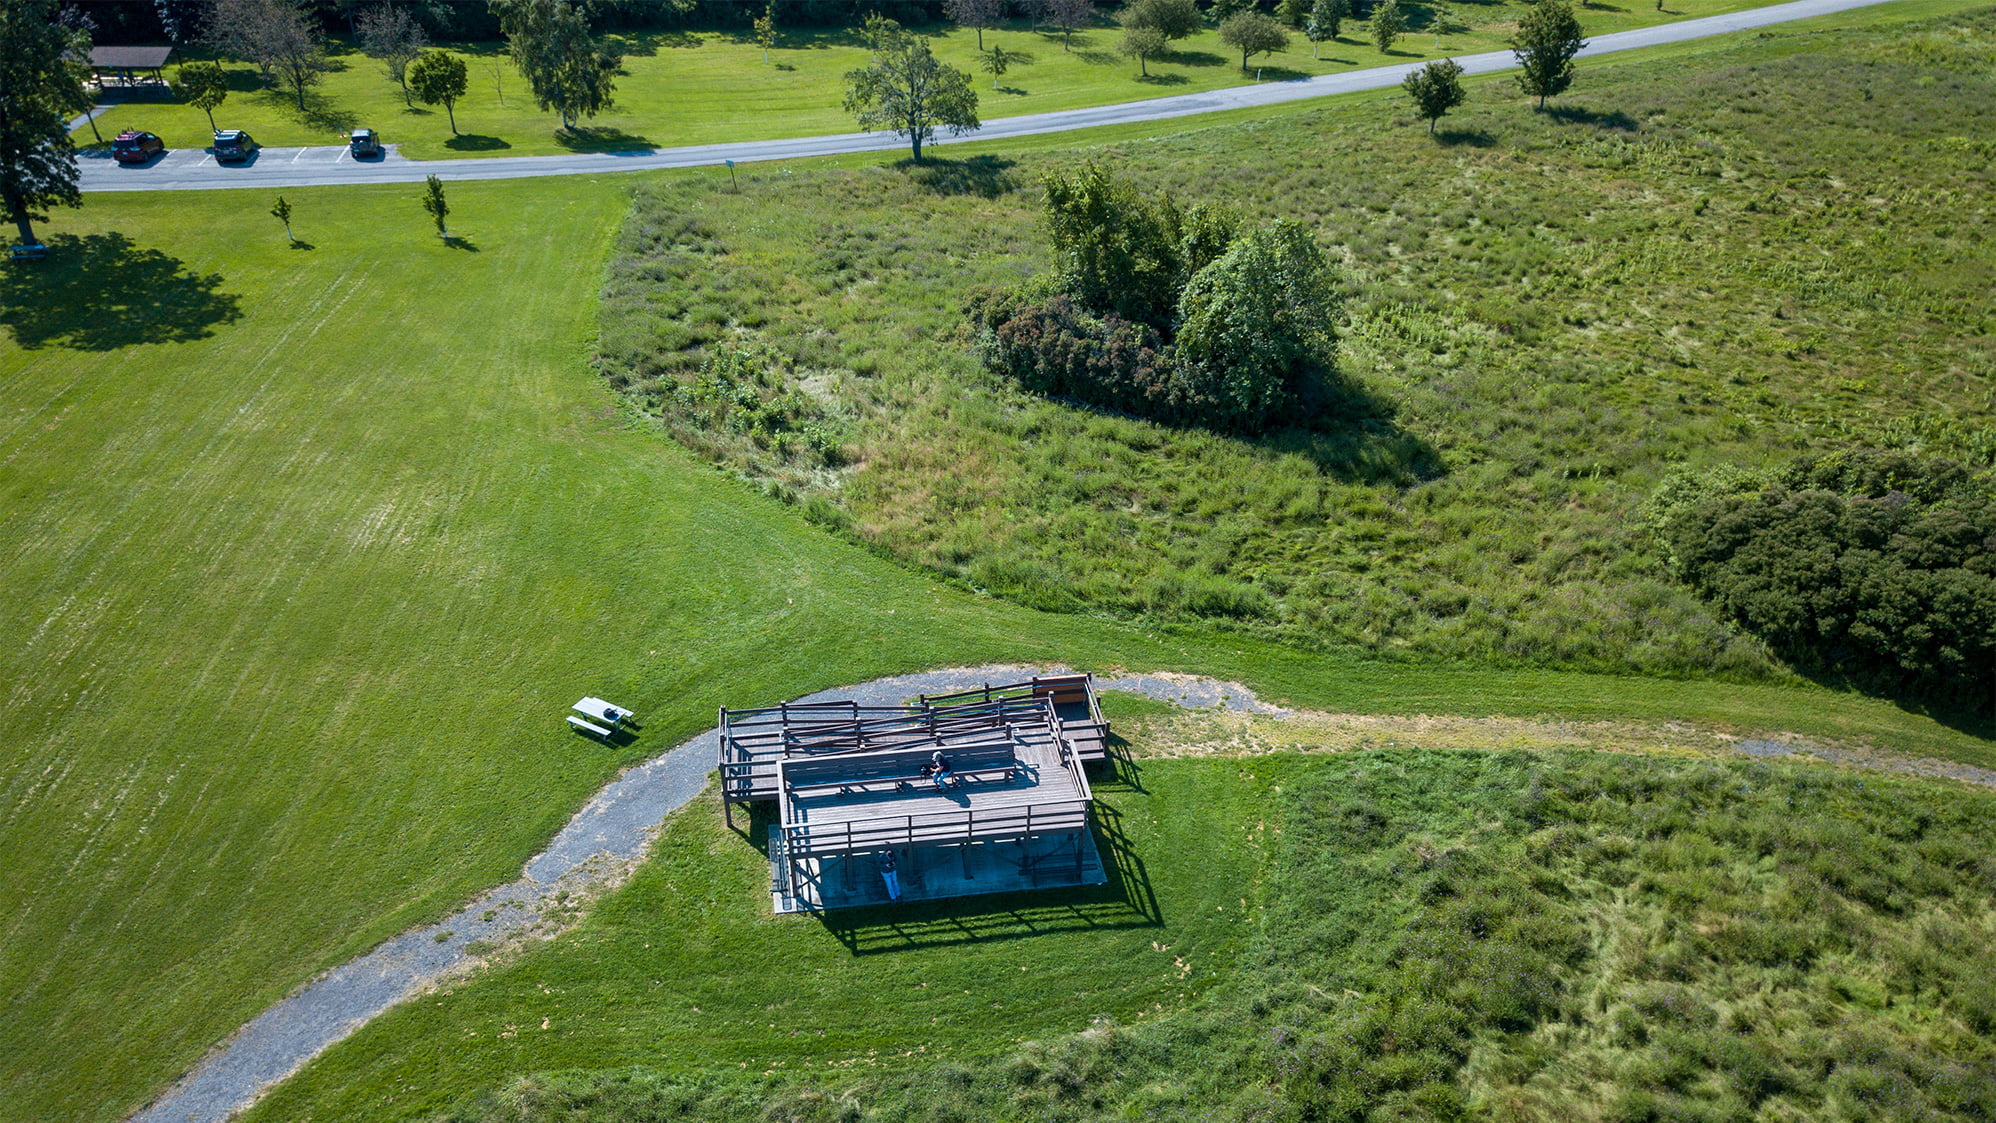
136, 147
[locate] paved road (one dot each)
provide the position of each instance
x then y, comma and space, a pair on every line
194, 169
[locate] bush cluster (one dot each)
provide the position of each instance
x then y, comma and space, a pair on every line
1168, 313
1875, 567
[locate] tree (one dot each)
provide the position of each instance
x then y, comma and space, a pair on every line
39, 92
433, 202
1442, 19
1252, 33
1387, 24
205, 85
1140, 43
1256, 320
765, 28
569, 71
1290, 13
276, 36
978, 14
282, 213
910, 93
440, 78
1224, 10
1068, 15
1326, 20
391, 36
80, 28
996, 64
878, 31
1173, 19
1436, 88
1548, 38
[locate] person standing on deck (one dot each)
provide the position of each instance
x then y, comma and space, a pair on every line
889, 875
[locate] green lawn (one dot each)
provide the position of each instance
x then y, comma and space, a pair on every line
709, 87
307, 550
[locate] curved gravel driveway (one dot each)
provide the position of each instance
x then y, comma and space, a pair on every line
194, 169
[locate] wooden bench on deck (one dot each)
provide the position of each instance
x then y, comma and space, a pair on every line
845, 773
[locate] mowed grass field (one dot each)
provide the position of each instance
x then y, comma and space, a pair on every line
308, 549
703, 87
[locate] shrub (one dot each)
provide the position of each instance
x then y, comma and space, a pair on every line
1878, 567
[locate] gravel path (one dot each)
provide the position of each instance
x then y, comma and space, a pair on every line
606, 840
193, 169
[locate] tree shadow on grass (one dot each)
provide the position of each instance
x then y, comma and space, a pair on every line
1581, 115
984, 176
302, 244
1279, 74
1193, 58
100, 292
1163, 79
1353, 437
457, 243
601, 138
475, 142
1470, 138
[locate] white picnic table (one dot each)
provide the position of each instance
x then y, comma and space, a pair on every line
601, 710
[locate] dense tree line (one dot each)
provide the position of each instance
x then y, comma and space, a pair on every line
1166, 312
1873, 567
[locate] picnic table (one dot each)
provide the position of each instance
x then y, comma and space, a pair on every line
602, 711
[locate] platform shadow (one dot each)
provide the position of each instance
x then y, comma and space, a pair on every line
100, 292
1125, 900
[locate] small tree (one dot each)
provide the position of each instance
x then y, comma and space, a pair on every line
440, 78
39, 92
910, 93
1173, 19
274, 34
1387, 24
1443, 18
282, 213
391, 36
1291, 13
996, 64
1252, 33
976, 14
1068, 15
205, 85
1140, 43
1327, 18
433, 203
1548, 38
765, 29
1436, 88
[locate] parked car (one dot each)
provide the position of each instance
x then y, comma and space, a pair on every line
364, 143
136, 146
234, 144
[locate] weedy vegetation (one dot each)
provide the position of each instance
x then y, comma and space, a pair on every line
1782, 252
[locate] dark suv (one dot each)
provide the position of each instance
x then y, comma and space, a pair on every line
234, 144
364, 144
136, 147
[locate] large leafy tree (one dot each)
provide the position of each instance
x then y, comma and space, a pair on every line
1174, 19
276, 36
1252, 33
906, 90
39, 92
439, 78
1548, 38
1256, 320
571, 73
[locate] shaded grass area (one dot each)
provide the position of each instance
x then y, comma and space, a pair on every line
713, 86
1450, 935
687, 967
1563, 311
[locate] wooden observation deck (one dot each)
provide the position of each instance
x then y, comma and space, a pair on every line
849, 784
